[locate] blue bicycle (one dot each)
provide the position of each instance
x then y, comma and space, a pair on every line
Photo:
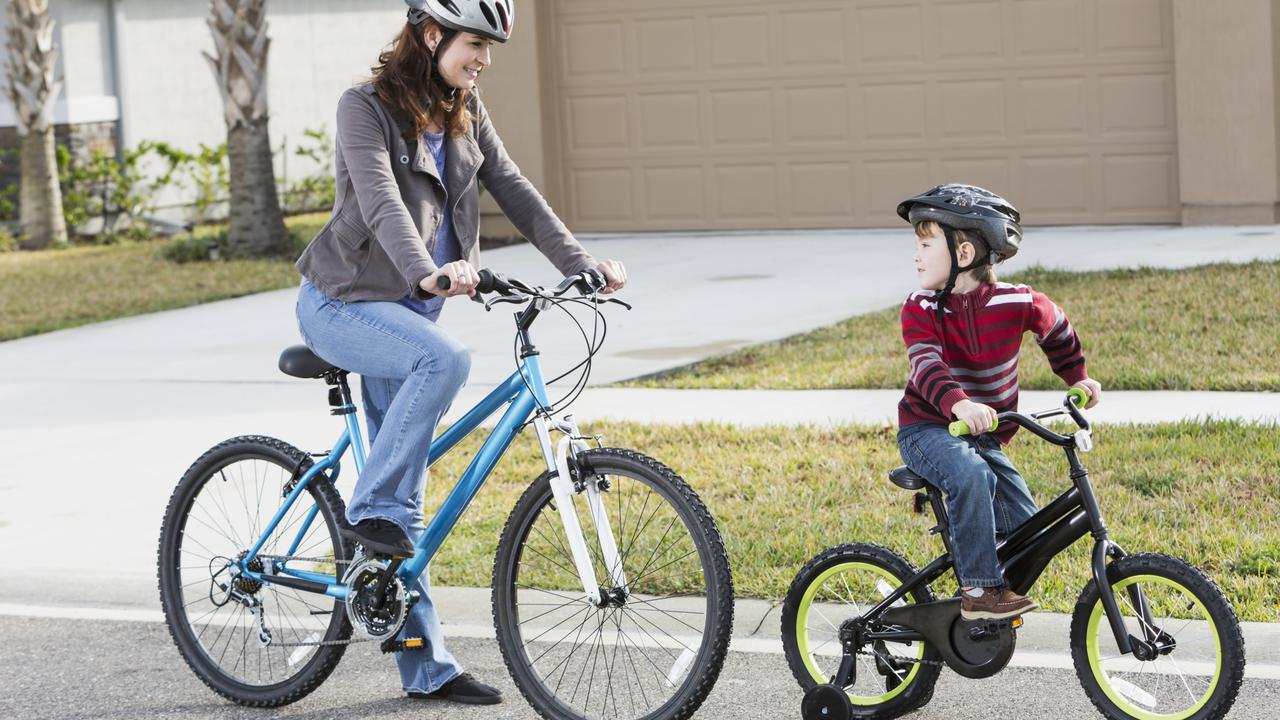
612, 594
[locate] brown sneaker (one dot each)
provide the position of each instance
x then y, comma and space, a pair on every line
995, 604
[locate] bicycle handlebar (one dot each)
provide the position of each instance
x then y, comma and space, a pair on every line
1077, 397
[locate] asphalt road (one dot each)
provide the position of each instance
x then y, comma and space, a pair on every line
72, 669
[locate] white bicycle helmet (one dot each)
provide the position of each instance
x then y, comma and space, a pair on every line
490, 18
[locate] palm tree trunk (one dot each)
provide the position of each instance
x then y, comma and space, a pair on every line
256, 222
41, 221
31, 57
239, 63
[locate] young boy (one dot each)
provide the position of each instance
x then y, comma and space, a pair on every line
963, 332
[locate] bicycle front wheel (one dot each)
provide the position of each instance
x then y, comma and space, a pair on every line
1197, 664
255, 643
653, 649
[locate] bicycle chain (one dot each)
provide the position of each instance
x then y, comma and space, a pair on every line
901, 658
316, 643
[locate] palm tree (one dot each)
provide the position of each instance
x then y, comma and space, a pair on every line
240, 66
29, 64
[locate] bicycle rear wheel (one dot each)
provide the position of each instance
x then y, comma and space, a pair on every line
255, 643
656, 649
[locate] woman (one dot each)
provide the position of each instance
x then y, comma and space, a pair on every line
411, 144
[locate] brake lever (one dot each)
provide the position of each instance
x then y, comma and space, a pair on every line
511, 299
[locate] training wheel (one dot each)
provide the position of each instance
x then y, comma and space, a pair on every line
826, 702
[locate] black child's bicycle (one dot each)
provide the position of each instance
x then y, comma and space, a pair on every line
1152, 637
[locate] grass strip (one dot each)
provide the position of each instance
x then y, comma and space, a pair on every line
1206, 328
779, 495
47, 290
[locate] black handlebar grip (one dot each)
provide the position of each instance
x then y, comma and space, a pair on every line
487, 282
443, 282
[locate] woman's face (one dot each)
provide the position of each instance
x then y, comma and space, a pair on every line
463, 59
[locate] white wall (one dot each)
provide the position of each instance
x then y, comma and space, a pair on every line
319, 48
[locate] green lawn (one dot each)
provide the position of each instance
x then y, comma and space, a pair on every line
779, 495
1206, 328
49, 290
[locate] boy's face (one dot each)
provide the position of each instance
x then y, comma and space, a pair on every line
933, 261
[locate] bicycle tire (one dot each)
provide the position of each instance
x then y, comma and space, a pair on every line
802, 639
703, 603
1208, 642
274, 463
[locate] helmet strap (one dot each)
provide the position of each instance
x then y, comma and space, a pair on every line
945, 294
448, 35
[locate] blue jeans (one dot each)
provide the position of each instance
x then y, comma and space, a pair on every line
410, 372
985, 494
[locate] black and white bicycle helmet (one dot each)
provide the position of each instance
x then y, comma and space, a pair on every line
956, 206
490, 18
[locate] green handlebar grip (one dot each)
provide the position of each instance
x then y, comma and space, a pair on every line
1078, 396
960, 427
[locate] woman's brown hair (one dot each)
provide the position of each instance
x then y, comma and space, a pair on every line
403, 81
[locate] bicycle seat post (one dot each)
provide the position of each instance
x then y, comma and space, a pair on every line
339, 393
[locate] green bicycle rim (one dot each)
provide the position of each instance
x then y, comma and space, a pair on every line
802, 635
1095, 654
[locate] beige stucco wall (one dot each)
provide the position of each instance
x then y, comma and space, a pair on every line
1226, 77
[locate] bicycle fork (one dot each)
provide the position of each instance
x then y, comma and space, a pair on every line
564, 487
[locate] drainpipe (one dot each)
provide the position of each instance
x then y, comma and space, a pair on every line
116, 30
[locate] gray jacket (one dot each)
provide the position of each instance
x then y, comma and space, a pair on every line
388, 206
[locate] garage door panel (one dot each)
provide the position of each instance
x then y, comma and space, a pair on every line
741, 116
594, 49
813, 39
666, 45
969, 31
1053, 106
964, 109
747, 192
816, 114
1139, 102
821, 192
1135, 26
669, 120
1049, 28
674, 195
893, 112
988, 172
888, 35
884, 183
598, 123
824, 113
738, 42
1140, 184
1056, 186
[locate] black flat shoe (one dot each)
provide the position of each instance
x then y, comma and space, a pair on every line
380, 537
463, 689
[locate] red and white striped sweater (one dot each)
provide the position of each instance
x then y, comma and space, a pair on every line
974, 354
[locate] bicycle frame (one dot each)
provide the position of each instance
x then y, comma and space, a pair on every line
1027, 551
525, 395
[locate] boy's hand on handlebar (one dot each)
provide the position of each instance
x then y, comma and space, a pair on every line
462, 279
1093, 389
615, 275
980, 418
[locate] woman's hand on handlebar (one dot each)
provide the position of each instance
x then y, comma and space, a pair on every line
980, 418
462, 280
615, 275
1093, 389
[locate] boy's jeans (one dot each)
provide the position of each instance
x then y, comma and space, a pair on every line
410, 371
985, 494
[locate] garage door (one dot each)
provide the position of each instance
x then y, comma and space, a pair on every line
708, 114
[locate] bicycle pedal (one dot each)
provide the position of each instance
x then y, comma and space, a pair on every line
391, 645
